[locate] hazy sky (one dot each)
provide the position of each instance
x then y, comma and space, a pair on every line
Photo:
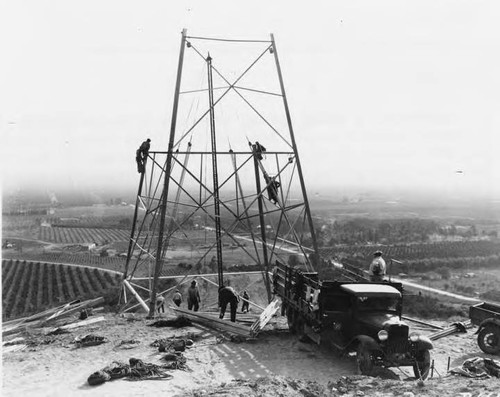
388, 93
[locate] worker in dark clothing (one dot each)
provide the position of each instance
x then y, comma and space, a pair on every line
272, 188
194, 299
228, 295
246, 305
258, 149
141, 155
177, 298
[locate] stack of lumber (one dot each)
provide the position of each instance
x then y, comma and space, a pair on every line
48, 317
212, 320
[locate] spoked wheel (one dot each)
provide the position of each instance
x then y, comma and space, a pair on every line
364, 359
488, 339
423, 365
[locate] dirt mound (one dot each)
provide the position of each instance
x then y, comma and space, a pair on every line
357, 385
268, 386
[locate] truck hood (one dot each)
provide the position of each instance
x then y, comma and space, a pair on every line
381, 320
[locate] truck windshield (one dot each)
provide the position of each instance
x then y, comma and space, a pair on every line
377, 303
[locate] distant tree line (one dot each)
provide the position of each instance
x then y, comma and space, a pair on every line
364, 230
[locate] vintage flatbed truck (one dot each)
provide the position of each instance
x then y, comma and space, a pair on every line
359, 317
487, 317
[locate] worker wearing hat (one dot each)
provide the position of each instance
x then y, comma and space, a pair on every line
194, 299
377, 267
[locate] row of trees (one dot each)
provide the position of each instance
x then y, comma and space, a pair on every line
30, 287
364, 230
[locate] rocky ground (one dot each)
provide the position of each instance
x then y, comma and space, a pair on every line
274, 364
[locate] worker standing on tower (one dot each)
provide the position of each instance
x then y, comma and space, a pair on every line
141, 155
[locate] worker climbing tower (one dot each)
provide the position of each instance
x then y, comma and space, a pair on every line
228, 193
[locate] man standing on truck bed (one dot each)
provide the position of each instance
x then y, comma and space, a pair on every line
377, 267
228, 295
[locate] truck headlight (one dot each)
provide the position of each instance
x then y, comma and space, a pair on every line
414, 337
383, 335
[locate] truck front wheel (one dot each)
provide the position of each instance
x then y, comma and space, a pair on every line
488, 339
364, 359
422, 365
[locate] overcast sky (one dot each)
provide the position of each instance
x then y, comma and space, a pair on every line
381, 93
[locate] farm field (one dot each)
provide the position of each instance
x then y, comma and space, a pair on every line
481, 283
31, 287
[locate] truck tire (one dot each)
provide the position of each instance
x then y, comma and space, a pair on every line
290, 316
488, 339
423, 365
364, 359
300, 330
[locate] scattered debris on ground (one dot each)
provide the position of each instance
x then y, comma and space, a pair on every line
89, 340
478, 367
177, 322
127, 344
58, 316
135, 370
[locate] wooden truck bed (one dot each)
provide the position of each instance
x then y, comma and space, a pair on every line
482, 311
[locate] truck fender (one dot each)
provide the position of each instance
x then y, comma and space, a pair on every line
371, 343
488, 321
424, 343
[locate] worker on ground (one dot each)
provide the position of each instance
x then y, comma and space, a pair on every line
377, 267
177, 298
160, 303
194, 299
228, 295
246, 305
141, 155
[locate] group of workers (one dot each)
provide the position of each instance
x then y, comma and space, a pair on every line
227, 296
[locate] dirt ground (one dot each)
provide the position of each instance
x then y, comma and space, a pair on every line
274, 364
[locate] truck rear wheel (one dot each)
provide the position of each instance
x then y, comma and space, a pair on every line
364, 359
290, 316
423, 365
488, 339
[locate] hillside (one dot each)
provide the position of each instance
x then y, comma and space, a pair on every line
274, 364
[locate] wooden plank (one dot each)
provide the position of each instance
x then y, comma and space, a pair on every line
79, 324
75, 308
266, 315
214, 322
13, 348
70, 309
62, 309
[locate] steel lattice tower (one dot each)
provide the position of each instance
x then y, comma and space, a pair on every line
229, 189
